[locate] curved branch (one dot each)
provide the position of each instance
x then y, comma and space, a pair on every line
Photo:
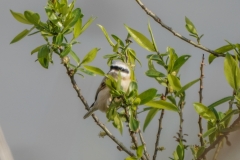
108, 133
235, 124
158, 20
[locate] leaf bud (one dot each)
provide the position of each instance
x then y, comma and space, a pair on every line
65, 60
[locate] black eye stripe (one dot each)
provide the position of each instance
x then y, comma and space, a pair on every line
119, 69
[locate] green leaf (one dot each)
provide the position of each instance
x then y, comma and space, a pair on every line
211, 137
116, 38
154, 73
74, 56
225, 48
116, 46
77, 28
221, 101
211, 57
65, 51
90, 56
20, 17
133, 123
172, 58
52, 17
172, 99
231, 71
32, 17
43, 56
152, 112
162, 105
118, 123
37, 49
180, 151
133, 55
204, 112
140, 151
147, 95
106, 35
184, 88
229, 115
95, 70
152, 37
20, 36
209, 132
132, 86
141, 39
86, 71
174, 82
190, 26
87, 24
180, 61
76, 14
59, 38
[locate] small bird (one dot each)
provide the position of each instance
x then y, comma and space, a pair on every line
103, 96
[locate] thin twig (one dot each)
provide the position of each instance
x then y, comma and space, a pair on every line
158, 135
158, 20
109, 134
217, 150
181, 123
200, 100
144, 144
220, 138
132, 134
159, 126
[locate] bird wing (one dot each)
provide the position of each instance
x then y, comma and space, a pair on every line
101, 87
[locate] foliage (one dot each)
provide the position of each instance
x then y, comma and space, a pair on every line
65, 19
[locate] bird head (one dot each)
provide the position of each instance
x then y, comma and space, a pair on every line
119, 66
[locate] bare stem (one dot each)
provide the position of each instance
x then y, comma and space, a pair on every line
133, 135
158, 135
200, 100
159, 21
109, 134
144, 144
181, 123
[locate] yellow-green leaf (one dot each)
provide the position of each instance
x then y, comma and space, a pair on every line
20, 17
152, 112
231, 72
174, 82
90, 56
147, 95
77, 28
106, 35
162, 105
20, 36
204, 111
141, 39
95, 70
36, 49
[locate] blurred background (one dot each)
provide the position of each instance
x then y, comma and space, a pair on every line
40, 114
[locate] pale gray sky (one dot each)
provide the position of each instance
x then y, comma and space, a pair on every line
41, 115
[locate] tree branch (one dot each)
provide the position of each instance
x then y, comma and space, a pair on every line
235, 124
200, 100
158, 20
108, 133
158, 135
144, 144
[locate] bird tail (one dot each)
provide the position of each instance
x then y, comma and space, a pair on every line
90, 112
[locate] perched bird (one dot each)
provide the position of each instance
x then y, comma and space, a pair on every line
103, 97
